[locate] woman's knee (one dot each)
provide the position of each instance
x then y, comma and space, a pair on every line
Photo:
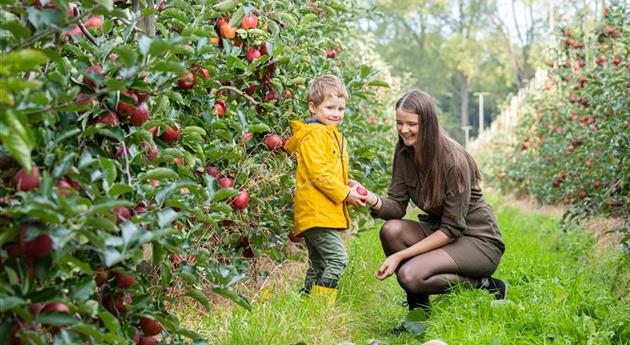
410, 279
392, 230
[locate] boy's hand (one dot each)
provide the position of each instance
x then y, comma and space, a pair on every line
354, 198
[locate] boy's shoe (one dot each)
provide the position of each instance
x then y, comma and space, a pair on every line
497, 287
327, 290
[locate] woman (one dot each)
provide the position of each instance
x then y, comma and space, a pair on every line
458, 239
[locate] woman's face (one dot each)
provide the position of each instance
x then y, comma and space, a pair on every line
408, 126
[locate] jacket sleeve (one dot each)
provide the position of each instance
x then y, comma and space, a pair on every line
456, 201
317, 161
395, 205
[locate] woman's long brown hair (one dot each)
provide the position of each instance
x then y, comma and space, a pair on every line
432, 149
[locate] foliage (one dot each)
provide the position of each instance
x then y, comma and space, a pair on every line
571, 143
136, 168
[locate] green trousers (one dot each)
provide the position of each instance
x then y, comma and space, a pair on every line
327, 256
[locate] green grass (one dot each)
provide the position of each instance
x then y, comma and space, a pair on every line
561, 292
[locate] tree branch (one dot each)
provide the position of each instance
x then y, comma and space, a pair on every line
240, 93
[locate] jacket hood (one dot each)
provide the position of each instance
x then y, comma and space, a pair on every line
299, 129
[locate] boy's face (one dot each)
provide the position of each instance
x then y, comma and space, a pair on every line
330, 111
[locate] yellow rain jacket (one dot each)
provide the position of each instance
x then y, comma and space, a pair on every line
321, 177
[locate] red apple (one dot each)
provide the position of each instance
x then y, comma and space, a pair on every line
141, 96
35, 309
154, 182
110, 119
273, 142
49, 4
225, 182
124, 280
253, 54
597, 184
249, 22
171, 135
247, 136
241, 201
331, 53
214, 172
264, 48
84, 99
150, 327
122, 214
140, 115
152, 151
219, 107
55, 307
24, 181
38, 247
272, 96
288, 94
63, 187
250, 89
582, 194
90, 71
146, 341
94, 22
178, 160
101, 276
113, 57
362, 191
120, 152
187, 80
225, 29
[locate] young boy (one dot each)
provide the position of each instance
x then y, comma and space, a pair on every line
322, 182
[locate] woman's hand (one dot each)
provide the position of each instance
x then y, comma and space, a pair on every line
388, 267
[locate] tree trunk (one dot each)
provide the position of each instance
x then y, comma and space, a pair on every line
464, 98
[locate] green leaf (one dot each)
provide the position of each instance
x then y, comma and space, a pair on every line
57, 319
15, 138
225, 5
307, 19
166, 217
159, 174
112, 257
415, 321
225, 193
17, 28
8, 303
118, 189
22, 61
159, 47
259, 128
107, 206
378, 83
108, 4
110, 321
169, 67
88, 330
234, 296
237, 17
199, 297
127, 55
84, 290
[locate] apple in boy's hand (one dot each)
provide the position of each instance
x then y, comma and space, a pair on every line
362, 191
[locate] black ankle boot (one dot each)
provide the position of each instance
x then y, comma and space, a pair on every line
497, 287
414, 301
418, 301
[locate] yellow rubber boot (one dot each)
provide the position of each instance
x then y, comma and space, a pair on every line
330, 294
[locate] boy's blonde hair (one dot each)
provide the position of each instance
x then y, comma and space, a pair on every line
326, 85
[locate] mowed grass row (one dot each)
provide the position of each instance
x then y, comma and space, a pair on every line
562, 291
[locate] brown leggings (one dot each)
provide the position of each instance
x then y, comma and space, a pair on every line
433, 272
